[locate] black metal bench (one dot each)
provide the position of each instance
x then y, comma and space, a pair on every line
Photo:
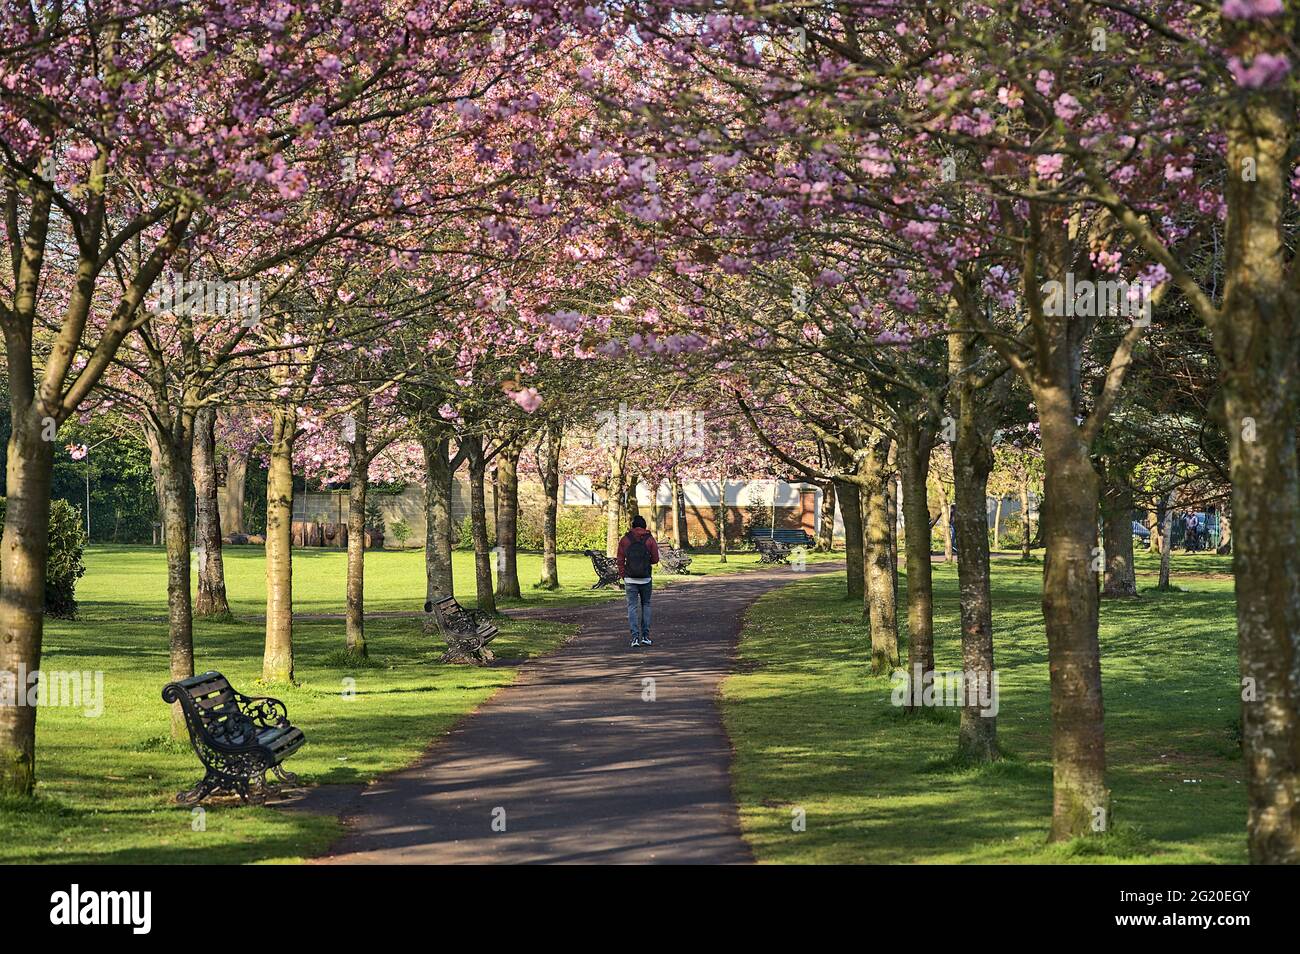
238, 738
771, 551
466, 631
673, 560
606, 568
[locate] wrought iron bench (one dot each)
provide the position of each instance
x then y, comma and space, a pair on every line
771, 551
238, 738
674, 560
466, 631
606, 568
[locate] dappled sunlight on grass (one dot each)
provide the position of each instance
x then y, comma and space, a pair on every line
813, 730
107, 784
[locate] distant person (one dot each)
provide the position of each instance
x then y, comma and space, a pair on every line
637, 552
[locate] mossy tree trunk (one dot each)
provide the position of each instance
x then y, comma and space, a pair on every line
508, 522
436, 444
277, 655
552, 441
358, 481
1120, 578
826, 519
211, 599
850, 500
972, 461
478, 524
916, 441
170, 456
879, 606
614, 500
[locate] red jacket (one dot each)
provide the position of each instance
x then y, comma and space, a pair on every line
641, 533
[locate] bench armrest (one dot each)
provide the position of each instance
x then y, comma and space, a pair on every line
264, 711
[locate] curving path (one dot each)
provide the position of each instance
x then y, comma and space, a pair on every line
582, 768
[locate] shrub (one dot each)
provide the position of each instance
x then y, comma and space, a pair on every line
374, 516
464, 532
530, 531
64, 565
401, 532
580, 530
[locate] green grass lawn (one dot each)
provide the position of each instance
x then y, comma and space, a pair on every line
131, 581
106, 784
814, 730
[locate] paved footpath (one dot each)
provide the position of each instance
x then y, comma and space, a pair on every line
583, 769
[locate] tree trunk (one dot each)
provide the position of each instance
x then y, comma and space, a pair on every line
232, 514
553, 442
997, 524
277, 656
676, 491
1266, 527
945, 518
211, 600
1225, 533
478, 523
508, 523
1257, 339
972, 461
850, 500
496, 505
652, 520
826, 519
174, 504
614, 501
1080, 799
22, 586
916, 444
631, 508
879, 606
722, 518
437, 514
1165, 514
358, 478
1026, 534
1117, 536
891, 503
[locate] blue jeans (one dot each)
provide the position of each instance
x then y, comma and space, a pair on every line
638, 608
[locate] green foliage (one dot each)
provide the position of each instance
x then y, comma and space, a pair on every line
375, 517
64, 566
530, 531
255, 497
401, 532
464, 532
578, 530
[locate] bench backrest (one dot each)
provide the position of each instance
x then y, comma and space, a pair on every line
452, 616
210, 701
601, 561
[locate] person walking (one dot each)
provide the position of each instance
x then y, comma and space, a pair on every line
637, 552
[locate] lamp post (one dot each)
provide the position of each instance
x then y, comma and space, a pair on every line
90, 448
